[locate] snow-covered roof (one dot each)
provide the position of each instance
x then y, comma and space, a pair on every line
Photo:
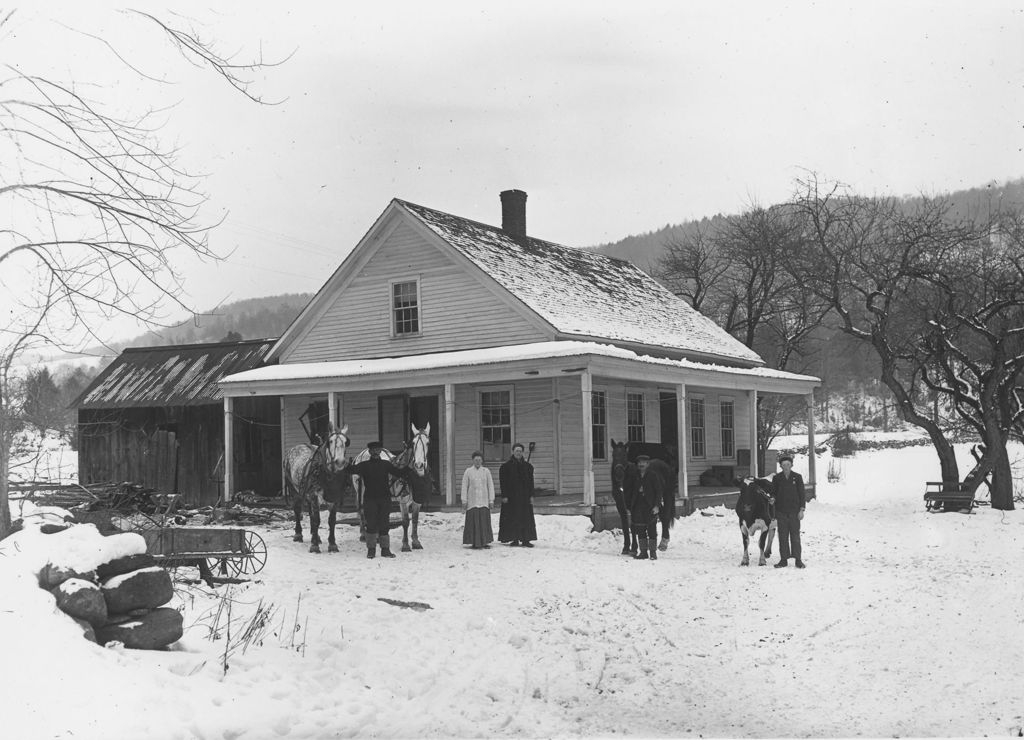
487, 356
179, 375
584, 294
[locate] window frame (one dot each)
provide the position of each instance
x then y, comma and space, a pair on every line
643, 415
731, 401
392, 309
690, 399
603, 452
480, 390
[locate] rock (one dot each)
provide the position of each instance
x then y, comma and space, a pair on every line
53, 575
147, 588
157, 629
81, 599
87, 631
126, 564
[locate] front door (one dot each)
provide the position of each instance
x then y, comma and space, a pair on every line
394, 416
424, 410
669, 420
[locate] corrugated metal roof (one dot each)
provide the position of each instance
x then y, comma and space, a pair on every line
183, 375
585, 294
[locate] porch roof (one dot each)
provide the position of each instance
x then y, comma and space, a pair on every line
509, 362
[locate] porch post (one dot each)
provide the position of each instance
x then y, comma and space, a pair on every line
332, 410
284, 444
448, 458
684, 483
752, 400
587, 387
556, 423
229, 446
809, 398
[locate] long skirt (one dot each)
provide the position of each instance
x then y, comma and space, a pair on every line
477, 531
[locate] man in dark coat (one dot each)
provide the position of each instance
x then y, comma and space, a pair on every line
516, 524
644, 509
789, 510
377, 498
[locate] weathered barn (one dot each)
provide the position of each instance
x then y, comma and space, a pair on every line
155, 417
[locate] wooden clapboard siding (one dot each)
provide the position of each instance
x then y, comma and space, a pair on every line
532, 423
713, 429
571, 442
291, 428
457, 311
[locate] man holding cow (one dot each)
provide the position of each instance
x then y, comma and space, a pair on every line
790, 502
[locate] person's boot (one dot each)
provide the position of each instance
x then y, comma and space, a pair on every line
416, 531
371, 545
385, 546
653, 550
642, 549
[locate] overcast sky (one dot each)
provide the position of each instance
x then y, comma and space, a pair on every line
616, 118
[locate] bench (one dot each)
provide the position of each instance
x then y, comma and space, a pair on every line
948, 496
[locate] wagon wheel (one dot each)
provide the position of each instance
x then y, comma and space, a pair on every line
252, 559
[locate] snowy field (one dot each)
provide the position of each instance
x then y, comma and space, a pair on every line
904, 623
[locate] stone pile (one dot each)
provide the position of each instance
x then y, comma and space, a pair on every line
121, 600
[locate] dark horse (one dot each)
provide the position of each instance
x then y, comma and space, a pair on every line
663, 463
316, 475
624, 478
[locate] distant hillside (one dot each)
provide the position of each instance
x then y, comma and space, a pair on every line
644, 250
252, 318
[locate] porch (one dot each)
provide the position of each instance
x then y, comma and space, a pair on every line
567, 400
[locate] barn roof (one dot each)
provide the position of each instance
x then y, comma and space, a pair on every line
181, 375
583, 294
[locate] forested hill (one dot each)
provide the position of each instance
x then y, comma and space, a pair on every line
252, 318
644, 250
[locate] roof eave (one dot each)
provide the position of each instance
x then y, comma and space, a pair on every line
676, 353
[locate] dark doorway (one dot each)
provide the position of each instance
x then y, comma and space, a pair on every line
424, 410
669, 420
393, 421
396, 414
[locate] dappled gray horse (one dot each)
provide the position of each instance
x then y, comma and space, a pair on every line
308, 473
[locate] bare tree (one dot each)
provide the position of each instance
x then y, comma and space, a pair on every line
733, 271
99, 211
936, 298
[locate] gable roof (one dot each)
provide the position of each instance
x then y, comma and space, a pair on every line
583, 294
182, 375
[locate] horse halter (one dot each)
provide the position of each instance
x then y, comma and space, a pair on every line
419, 453
326, 446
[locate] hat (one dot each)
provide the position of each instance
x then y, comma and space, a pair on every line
643, 457
375, 445
784, 458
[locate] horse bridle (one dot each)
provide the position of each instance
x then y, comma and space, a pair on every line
420, 442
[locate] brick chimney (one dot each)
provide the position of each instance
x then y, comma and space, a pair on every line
513, 213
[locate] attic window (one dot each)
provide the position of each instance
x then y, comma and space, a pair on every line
405, 308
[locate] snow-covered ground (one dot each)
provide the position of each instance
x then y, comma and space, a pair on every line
904, 623
43, 458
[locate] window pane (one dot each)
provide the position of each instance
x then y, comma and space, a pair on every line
635, 427
728, 435
405, 305
697, 448
598, 430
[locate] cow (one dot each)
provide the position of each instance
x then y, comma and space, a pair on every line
755, 508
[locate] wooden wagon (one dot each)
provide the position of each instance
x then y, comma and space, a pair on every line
218, 552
